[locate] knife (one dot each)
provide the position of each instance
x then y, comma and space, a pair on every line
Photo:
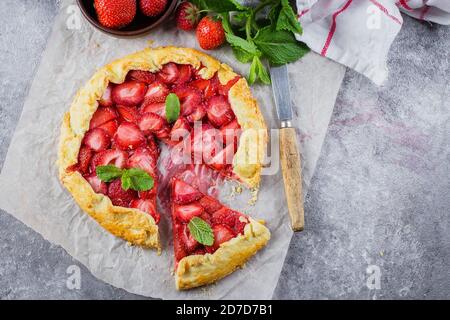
289, 154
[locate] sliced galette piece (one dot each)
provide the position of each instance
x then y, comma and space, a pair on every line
210, 240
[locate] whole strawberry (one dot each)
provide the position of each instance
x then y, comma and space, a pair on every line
115, 14
210, 33
187, 16
152, 8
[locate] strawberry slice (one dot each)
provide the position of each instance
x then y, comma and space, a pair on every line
110, 127
163, 133
185, 73
231, 218
219, 111
213, 87
115, 157
147, 206
223, 158
222, 233
106, 99
101, 116
224, 89
182, 193
178, 248
169, 73
156, 92
187, 212
187, 240
205, 143
97, 185
198, 114
157, 107
200, 84
190, 98
210, 204
129, 93
97, 139
152, 145
144, 159
142, 76
151, 122
231, 133
199, 251
129, 114
149, 194
120, 197
128, 136
208, 87
180, 129
84, 157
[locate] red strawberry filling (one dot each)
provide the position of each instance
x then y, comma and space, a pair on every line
156, 92
131, 115
187, 203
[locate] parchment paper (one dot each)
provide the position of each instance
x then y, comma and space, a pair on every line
31, 192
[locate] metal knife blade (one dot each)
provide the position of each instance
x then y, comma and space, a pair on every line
281, 92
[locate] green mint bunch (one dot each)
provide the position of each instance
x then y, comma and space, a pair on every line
258, 34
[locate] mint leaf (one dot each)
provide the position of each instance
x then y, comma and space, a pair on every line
242, 55
263, 75
126, 180
108, 173
239, 42
221, 6
258, 71
199, 4
172, 107
226, 23
253, 75
279, 47
274, 13
287, 19
201, 231
244, 50
137, 179
241, 16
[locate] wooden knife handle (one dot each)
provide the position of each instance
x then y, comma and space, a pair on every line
292, 176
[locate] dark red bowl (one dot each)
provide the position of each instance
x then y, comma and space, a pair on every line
139, 26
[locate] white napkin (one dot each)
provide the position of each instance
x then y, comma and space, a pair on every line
359, 33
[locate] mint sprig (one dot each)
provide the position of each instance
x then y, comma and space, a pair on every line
133, 178
260, 34
108, 173
201, 231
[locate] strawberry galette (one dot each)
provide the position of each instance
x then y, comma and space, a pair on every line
110, 146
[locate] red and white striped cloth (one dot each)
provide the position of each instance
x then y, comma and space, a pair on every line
359, 33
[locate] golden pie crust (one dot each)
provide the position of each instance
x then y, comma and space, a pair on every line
138, 227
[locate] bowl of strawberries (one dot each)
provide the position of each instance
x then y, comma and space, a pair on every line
126, 18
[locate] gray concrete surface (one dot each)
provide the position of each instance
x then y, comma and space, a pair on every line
379, 198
